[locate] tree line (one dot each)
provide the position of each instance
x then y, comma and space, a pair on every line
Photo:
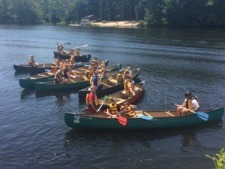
153, 12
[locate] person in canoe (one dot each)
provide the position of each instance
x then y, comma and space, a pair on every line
113, 108
90, 70
77, 52
67, 73
127, 72
128, 110
128, 86
190, 104
94, 79
72, 56
92, 101
31, 61
119, 78
61, 49
102, 70
58, 76
53, 68
95, 62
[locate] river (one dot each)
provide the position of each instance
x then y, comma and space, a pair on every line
173, 61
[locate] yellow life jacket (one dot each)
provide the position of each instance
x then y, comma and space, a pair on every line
119, 78
113, 108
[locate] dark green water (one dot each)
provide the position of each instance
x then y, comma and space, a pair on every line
32, 128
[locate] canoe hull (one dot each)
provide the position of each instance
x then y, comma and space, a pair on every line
93, 122
51, 86
29, 83
32, 69
83, 58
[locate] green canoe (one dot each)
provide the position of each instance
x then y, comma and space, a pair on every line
79, 68
79, 82
144, 120
76, 83
41, 77
46, 76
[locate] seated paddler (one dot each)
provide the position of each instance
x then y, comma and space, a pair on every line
129, 86
58, 76
128, 110
92, 101
113, 108
119, 78
31, 61
190, 104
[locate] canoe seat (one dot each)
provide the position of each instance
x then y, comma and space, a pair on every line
119, 101
75, 71
50, 73
38, 76
170, 114
112, 80
123, 92
105, 84
72, 80
136, 88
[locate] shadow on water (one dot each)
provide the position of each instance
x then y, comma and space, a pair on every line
27, 73
188, 133
26, 92
57, 94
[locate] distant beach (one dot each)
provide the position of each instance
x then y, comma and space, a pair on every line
116, 24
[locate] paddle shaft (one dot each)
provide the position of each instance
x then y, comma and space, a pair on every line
80, 46
102, 104
99, 80
120, 119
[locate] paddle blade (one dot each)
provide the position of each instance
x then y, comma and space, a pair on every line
122, 120
105, 98
145, 117
203, 116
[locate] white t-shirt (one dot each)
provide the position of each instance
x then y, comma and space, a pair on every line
195, 104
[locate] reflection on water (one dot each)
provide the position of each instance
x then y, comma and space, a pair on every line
189, 134
136, 148
189, 139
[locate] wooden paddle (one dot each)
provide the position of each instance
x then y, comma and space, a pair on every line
122, 120
202, 115
99, 80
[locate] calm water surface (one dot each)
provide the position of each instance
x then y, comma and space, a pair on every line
32, 128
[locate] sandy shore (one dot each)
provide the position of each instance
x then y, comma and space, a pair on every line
118, 24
